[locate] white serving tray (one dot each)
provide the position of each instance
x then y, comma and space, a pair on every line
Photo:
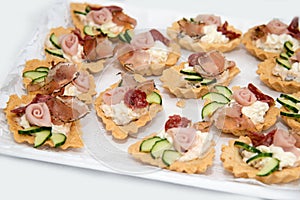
103, 153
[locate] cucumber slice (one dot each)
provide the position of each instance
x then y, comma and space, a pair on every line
154, 97
223, 90
193, 78
79, 12
41, 137
214, 96
189, 71
55, 52
54, 41
42, 69
87, 9
259, 156
288, 104
247, 147
283, 62
288, 46
32, 74
126, 36
159, 147
271, 166
289, 114
170, 156
210, 108
285, 55
33, 129
208, 81
147, 144
90, 30
290, 97
58, 139
39, 80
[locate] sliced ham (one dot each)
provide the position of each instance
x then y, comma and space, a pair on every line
100, 17
58, 76
159, 36
209, 19
210, 64
96, 48
115, 96
142, 41
294, 28
121, 19
66, 109
244, 97
38, 114
82, 82
183, 138
277, 27
286, 141
135, 59
190, 28
69, 44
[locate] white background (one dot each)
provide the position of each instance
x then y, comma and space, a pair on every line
24, 179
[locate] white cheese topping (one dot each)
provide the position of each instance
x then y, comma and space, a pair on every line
76, 58
121, 114
287, 159
158, 53
64, 128
274, 43
24, 122
212, 35
285, 74
256, 111
71, 90
202, 143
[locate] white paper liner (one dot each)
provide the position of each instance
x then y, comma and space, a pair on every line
104, 154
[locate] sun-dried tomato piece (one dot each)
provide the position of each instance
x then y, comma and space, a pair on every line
175, 121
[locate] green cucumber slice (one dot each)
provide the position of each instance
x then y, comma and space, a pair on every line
90, 30
210, 108
147, 144
126, 36
41, 137
154, 97
79, 12
33, 74
55, 52
288, 46
289, 114
271, 166
159, 147
259, 156
189, 71
247, 147
223, 90
288, 104
284, 55
206, 81
33, 129
170, 156
193, 78
58, 139
39, 80
283, 62
290, 97
42, 69
54, 41
214, 96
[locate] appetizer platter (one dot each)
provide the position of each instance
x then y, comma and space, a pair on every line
99, 88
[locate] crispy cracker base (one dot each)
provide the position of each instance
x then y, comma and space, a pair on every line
264, 71
189, 44
158, 68
172, 81
73, 138
251, 47
232, 162
122, 132
195, 166
35, 63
